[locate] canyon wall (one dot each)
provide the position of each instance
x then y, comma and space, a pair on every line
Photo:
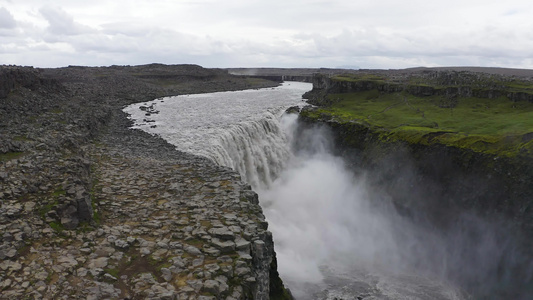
437, 181
457, 177
449, 84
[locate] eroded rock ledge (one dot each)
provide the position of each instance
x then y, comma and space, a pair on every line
91, 209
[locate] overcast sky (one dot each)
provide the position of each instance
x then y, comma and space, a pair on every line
268, 33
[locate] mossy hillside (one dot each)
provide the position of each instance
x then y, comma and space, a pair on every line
359, 77
494, 126
462, 160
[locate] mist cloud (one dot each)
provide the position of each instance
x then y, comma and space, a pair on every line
330, 221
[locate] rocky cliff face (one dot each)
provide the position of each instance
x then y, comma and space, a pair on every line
466, 196
452, 189
460, 178
91, 209
449, 84
457, 179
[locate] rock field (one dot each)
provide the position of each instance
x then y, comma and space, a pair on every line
93, 210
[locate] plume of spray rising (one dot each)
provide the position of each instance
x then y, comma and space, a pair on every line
320, 214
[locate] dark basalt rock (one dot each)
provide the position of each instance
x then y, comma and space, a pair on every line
55, 128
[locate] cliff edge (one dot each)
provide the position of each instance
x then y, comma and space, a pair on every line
91, 209
467, 135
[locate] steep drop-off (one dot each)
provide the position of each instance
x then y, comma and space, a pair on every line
443, 145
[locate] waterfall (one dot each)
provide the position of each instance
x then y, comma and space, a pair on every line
319, 213
337, 236
258, 150
240, 130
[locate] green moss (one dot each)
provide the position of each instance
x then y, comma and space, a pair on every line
195, 242
519, 85
56, 111
48, 278
58, 192
46, 208
112, 272
56, 226
357, 77
84, 227
43, 210
164, 265
484, 125
10, 156
97, 217
21, 138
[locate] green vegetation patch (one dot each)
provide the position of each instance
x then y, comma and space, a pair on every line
21, 138
358, 77
113, 272
58, 192
10, 155
43, 210
496, 126
56, 226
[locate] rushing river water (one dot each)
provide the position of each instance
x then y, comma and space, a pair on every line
335, 236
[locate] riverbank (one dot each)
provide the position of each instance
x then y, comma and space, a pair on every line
91, 209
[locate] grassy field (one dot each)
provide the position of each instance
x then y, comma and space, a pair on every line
487, 125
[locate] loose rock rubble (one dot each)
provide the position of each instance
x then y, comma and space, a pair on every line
113, 213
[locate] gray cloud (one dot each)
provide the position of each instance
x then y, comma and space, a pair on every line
61, 23
6, 19
369, 34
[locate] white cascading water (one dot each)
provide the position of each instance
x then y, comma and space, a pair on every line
336, 237
239, 130
258, 150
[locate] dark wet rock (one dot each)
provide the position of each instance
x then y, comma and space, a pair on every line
293, 110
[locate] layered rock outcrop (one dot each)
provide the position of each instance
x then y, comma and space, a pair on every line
450, 84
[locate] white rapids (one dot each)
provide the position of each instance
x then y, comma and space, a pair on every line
328, 239
239, 130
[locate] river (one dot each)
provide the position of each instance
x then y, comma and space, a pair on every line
336, 236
